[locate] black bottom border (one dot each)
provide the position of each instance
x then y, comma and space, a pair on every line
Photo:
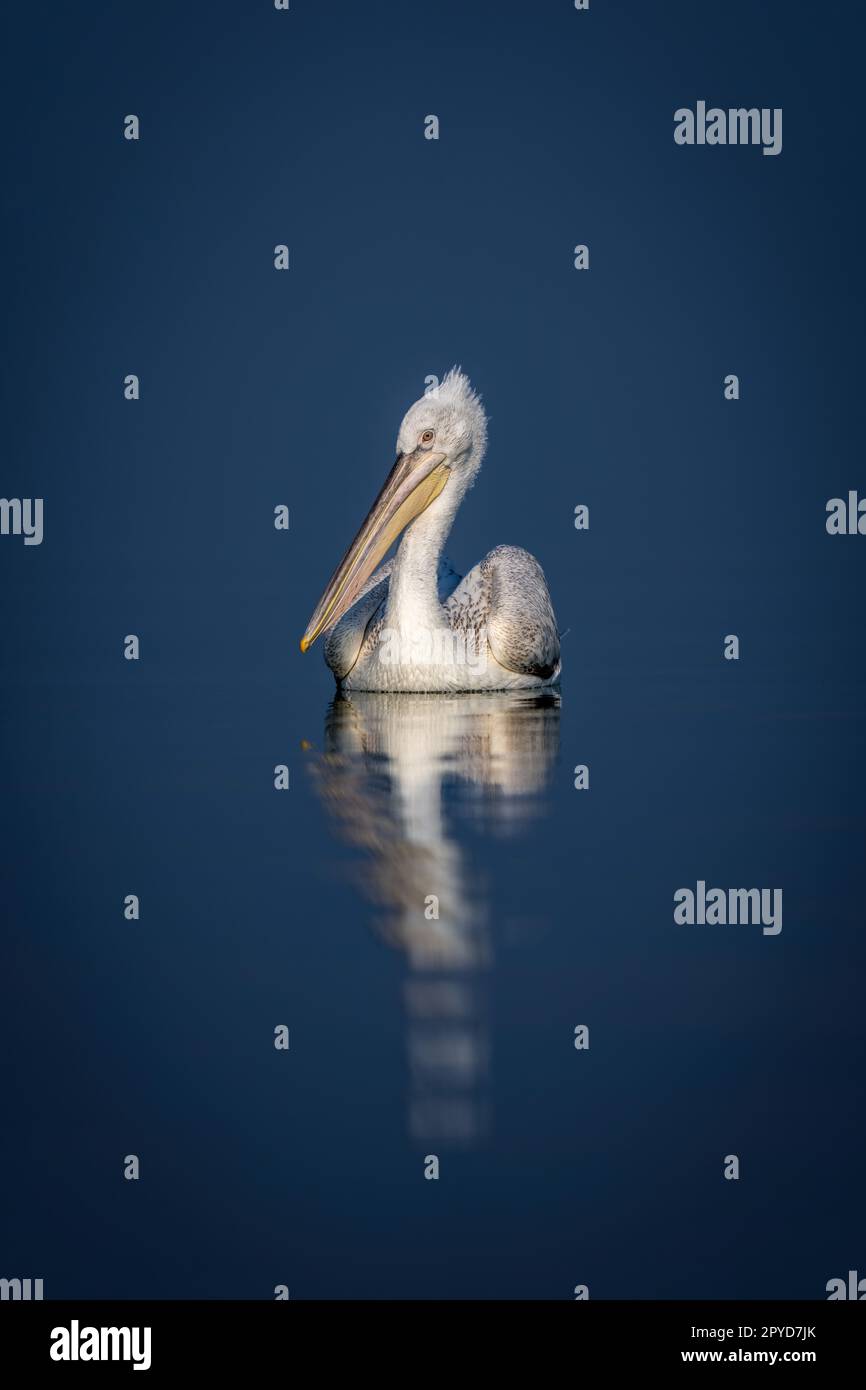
222, 1336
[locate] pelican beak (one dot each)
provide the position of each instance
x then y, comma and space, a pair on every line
414, 481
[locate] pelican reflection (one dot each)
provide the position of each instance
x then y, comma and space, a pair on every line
417, 783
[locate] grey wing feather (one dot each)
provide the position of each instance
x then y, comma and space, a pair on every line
344, 641
521, 624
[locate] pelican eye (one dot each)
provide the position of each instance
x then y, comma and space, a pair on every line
427, 437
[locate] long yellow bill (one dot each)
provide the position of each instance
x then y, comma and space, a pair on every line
414, 481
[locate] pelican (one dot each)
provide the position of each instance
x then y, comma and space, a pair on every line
412, 623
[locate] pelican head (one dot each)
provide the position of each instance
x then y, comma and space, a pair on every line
440, 446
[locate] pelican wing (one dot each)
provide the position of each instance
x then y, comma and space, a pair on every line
521, 624
344, 641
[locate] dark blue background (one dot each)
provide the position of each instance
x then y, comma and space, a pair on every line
707, 518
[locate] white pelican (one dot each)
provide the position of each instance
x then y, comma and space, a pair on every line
413, 624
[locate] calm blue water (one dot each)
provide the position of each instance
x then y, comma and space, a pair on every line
412, 1036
